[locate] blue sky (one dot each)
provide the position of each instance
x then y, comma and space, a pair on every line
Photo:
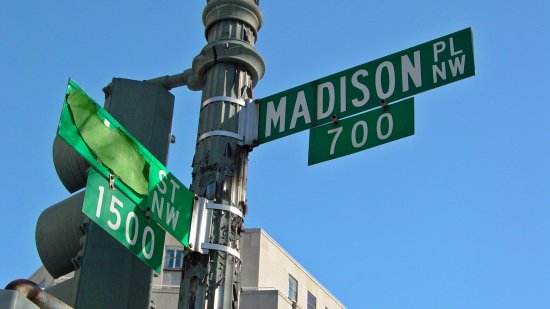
455, 216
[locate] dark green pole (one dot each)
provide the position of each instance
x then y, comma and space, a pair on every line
227, 69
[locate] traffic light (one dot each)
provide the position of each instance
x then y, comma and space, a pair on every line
107, 275
58, 235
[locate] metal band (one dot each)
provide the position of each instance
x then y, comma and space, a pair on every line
248, 123
223, 98
231, 209
220, 133
223, 248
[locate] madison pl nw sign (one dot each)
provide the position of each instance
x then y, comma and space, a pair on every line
403, 74
143, 188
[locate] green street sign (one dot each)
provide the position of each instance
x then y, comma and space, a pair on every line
111, 150
361, 132
121, 218
403, 74
171, 206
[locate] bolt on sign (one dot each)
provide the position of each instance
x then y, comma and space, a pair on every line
111, 150
403, 74
123, 220
360, 132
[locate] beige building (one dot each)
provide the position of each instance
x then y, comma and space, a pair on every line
270, 278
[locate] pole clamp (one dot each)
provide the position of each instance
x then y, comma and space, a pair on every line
229, 51
208, 246
223, 99
232, 209
201, 226
220, 133
248, 123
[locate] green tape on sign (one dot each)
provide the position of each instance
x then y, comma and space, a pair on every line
111, 150
111, 145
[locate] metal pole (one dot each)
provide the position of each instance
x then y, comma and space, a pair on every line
36, 294
228, 68
186, 78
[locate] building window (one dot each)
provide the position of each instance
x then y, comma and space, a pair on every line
292, 289
171, 278
173, 258
311, 301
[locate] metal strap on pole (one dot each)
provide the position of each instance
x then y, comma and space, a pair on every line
248, 121
220, 133
223, 99
233, 209
201, 223
209, 246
